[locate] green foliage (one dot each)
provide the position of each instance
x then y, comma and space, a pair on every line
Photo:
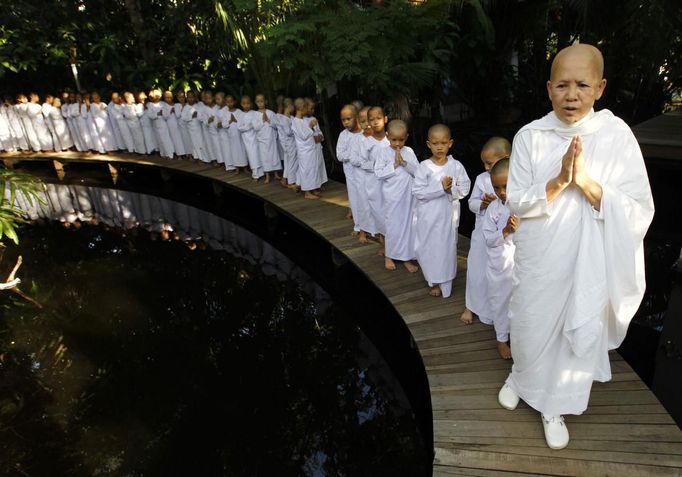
398, 48
11, 215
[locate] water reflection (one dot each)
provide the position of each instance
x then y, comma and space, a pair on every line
173, 342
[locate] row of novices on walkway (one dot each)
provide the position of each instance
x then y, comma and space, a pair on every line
74, 205
285, 145
556, 263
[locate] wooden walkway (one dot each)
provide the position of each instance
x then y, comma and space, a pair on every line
625, 431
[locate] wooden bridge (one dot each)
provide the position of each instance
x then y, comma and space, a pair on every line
625, 431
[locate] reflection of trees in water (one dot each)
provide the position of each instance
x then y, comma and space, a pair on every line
167, 373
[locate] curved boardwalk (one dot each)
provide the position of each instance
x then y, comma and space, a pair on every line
625, 431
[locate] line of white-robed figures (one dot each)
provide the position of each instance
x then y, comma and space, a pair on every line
116, 208
265, 142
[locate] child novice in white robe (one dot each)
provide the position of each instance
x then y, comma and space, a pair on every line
498, 229
481, 196
395, 167
307, 142
131, 114
155, 114
285, 136
237, 151
172, 121
344, 153
440, 183
191, 116
245, 126
266, 134
98, 112
61, 129
377, 123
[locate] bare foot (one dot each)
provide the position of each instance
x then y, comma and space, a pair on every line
382, 252
467, 317
354, 233
411, 267
311, 196
284, 183
435, 291
349, 214
317, 192
389, 263
267, 179
504, 350
278, 177
363, 237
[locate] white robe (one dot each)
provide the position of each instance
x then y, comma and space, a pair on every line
210, 113
47, 109
266, 134
6, 142
71, 112
173, 122
16, 129
362, 215
155, 114
245, 123
344, 153
321, 167
99, 115
579, 273
308, 158
193, 124
287, 141
437, 220
35, 114
477, 259
115, 127
499, 266
31, 137
132, 114
237, 150
375, 199
396, 190
178, 108
151, 144
61, 129
223, 118
85, 129
116, 112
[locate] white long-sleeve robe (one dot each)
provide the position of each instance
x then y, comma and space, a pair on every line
344, 153
116, 115
98, 113
477, 259
173, 122
364, 218
70, 112
245, 123
46, 109
35, 114
146, 122
155, 114
16, 129
115, 127
31, 136
132, 114
223, 118
196, 135
579, 273
396, 190
6, 140
499, 266
86, 128
308, 157
63, 138
209, 122
287, 141
266, 135
321, 167
237, 150
178, 108
437, 221
375, 200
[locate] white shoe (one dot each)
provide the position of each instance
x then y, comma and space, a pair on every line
556, 432
507, 398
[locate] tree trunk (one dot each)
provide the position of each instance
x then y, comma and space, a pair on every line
137, 22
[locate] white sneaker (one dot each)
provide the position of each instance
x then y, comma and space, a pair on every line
556, 432
507, 398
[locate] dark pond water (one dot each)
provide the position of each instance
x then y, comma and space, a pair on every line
184, 345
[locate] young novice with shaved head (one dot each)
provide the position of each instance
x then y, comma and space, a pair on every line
482, 195
578, 183
370, 146
307, 150
395, 167
439, 184
498, 229
344, 153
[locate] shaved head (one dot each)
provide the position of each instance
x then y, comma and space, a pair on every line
500, 167
396, 126
350, 108
497, 146
581, 52
439, 129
